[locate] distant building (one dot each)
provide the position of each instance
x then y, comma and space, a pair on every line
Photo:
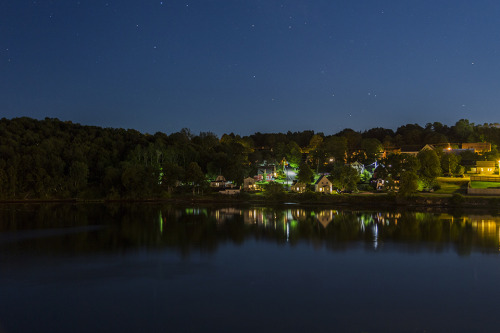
478, 147
414, 150
220, 181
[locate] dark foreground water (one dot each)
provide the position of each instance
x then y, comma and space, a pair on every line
149, 268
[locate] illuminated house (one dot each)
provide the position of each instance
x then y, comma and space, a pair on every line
220, 181
478, 147
298, 187
485, 167
323, 185
249, 184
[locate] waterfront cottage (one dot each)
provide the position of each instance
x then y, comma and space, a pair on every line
323, 185
219, 182
249, 184
485, 167
298, 187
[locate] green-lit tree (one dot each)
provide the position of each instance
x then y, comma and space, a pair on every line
194, 175
294, 154
449, 164
344, 177
274, 191
305, 174
430, 167
408, 183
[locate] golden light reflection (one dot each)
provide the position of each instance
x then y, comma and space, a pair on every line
325, 217
487, 227
292, 221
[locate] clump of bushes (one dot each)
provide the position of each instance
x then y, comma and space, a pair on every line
274, 191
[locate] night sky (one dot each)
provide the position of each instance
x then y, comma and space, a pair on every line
244, 66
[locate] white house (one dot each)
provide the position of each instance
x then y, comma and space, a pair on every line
323, 185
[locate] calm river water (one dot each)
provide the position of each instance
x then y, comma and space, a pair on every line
160, 268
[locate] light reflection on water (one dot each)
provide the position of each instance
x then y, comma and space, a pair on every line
131, 268
482, 227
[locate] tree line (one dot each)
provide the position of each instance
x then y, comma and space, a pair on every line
50, 158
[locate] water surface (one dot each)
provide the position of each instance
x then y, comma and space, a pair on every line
152, 268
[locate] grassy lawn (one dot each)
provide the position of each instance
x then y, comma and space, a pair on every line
450, 185
485, 184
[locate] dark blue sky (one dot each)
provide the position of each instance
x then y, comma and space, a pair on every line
245, 66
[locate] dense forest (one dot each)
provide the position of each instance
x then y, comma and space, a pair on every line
59, 159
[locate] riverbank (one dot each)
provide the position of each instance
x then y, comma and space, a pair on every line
364, 200
361, 200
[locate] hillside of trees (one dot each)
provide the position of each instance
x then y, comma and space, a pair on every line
49, 159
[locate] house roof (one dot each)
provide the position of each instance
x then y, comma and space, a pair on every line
415, 148
320, 179
486, 164
220, 178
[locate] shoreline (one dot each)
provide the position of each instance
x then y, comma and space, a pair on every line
360, 200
